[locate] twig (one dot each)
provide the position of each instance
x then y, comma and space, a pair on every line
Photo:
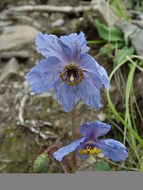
50, 8
45, 137
134, 63
137, 56
38, 132
7, 161
37, 141
63, 167
52, 147
21, 109
35, 130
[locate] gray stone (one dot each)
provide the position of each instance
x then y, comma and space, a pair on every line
18, 54
15, 37
45, 94
103, 12
135, 33
4, 24
58, 23
136, 14
138, 23
10, 69
101, 116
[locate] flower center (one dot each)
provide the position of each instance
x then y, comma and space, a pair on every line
72, 74
89, 150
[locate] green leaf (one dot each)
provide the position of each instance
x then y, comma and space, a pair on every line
110, 47
117, 45
104, 31
102, 166
41, 164
122, 53
106, 50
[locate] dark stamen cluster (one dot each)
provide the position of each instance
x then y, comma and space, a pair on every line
72, 74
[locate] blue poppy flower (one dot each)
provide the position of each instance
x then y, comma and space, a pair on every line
90, 145
69, 70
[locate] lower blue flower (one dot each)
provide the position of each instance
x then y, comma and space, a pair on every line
90, 145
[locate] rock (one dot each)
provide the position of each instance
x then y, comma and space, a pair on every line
15, 37
47, 124
57, 123
11, 68
101, 116
136, 15
17, 54
101, 10
135, 34
44, 95
138, 23
127, 27
4, 24
58, 23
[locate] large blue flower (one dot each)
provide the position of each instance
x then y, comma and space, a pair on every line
69, 70
90, 145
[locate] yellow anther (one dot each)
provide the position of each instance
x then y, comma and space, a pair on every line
98, 150
92, 151
71, 78
89, 150
81, 152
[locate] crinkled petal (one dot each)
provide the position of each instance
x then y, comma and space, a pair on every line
43, 76
93, 130
76, 43
113, 149
89, 93
60, 153
48, 46
66, 95
96, 72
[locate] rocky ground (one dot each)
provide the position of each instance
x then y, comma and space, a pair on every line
29, 121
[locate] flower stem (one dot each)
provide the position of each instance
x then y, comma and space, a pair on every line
72, 126
73, 130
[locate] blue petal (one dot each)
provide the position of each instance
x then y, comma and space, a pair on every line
93, 130
76, 43
43, 76
96, 72
113, 149
60, 153
66, 95
48, 45
89, 93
